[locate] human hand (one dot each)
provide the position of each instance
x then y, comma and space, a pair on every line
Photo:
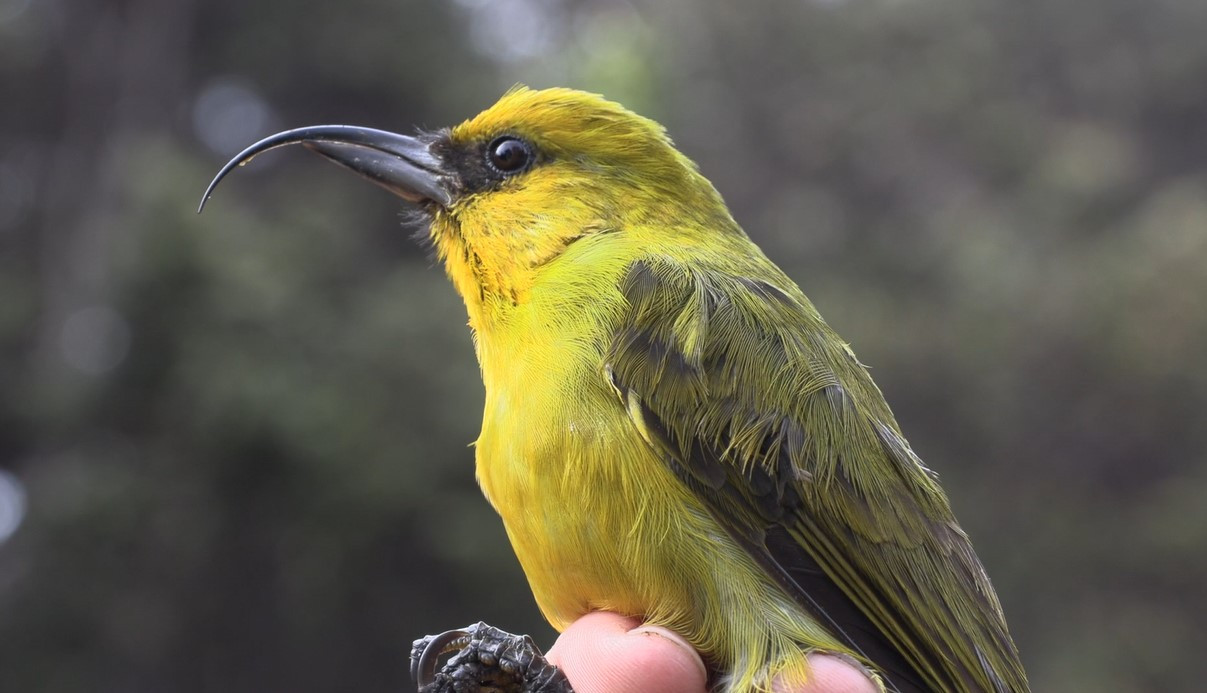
607, 653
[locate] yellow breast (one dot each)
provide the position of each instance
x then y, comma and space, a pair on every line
597, 519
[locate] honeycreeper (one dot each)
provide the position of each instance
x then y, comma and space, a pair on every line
671, 431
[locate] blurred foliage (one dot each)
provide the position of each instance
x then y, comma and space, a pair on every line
242, 437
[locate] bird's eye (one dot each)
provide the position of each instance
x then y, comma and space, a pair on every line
509, 155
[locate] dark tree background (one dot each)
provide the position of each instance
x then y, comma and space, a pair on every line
233, 448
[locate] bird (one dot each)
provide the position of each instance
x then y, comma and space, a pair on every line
670, 429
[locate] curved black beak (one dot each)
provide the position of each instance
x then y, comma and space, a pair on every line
406, 166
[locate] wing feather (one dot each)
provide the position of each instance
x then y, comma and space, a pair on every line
766, 414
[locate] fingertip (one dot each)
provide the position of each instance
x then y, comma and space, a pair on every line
832, 674
672, 646
607, 653
585, 632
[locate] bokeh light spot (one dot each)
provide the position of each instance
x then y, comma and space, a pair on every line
10, 10
12, 505
511, 30
95, 340
16, 195
228, 114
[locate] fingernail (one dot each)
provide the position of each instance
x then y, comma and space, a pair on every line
677, 639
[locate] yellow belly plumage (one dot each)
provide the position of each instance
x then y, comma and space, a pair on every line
599, 522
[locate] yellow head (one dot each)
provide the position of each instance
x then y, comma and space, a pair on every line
540, 170
510, 189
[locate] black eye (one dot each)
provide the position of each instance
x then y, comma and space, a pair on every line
508, 155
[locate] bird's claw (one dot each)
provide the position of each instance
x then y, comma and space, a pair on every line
487, 660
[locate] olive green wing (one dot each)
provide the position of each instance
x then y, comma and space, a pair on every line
766, 414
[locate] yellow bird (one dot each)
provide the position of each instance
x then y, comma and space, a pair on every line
671, 431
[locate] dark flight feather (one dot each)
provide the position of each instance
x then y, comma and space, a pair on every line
767, 416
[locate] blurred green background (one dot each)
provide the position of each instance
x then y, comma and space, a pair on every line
234, 448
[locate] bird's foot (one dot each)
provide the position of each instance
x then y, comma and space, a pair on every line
486, 660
